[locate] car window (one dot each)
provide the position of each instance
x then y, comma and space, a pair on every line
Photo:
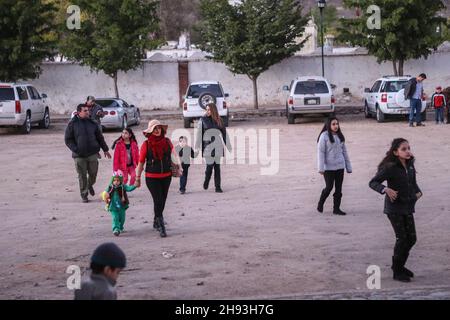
31, 93
310, 87
22, 93
376, 86
7, 94
393, 86
107, 103
36, 93
125, 104
196, 90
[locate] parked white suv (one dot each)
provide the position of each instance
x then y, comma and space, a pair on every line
21, 105
197, 97
311, 94
386, 97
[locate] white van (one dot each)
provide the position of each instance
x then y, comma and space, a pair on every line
21, 106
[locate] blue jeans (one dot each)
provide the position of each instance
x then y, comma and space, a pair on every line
416, 107
439, 114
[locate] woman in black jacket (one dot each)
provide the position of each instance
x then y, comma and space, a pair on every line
402, 192
213, 136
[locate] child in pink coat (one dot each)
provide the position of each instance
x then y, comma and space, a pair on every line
126, 155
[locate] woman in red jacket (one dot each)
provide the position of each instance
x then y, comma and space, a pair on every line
126, 155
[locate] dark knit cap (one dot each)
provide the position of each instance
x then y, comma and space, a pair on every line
109, 255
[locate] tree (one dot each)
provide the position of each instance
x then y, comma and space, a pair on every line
24, 25
407, 31
178, 16
330, 21
252, 35
114, 35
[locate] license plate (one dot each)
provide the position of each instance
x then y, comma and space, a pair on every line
312, 101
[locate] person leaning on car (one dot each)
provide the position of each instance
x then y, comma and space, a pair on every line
414, 92
84, 138
95, 111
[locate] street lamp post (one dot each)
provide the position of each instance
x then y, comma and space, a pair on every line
321, 4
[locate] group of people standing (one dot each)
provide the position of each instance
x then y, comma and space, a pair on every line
157, 157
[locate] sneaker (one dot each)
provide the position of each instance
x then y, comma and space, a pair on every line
421, 124
84, 199
91, 191
116, 233
205, 185
339, 212
219, 190
411, 125
182, 191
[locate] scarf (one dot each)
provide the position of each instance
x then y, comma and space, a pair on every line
158, 145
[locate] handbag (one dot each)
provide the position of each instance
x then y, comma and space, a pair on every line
176, 170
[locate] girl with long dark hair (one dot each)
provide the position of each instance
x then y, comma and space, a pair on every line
332, 159
402, 192
126, 155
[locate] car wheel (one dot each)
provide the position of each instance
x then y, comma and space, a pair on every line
26, 127
366, 110
138, 117
45, 122
225, 121
380, 115
205, 99
291, 118
187, 122
124, 123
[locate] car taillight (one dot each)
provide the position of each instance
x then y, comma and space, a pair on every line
112, 113
185, 105
291, 101
333, 100
384, 97
18, 107
224, 105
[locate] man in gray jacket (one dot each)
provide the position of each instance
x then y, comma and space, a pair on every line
414, 92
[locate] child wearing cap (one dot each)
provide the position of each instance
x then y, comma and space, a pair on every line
117, 200
107, 262
438, 103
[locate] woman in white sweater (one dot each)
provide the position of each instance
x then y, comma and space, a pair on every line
332, 160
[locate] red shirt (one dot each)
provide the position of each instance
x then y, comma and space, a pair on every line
143, 159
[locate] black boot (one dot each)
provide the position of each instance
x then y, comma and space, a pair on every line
397, 268
323, 197
405, 270
155, 223
206, 182
162, 228
337, 204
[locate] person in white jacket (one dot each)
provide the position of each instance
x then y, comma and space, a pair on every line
332, 159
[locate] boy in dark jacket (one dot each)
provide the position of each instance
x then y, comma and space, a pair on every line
84, 138
185, 152
438, 102
107, 262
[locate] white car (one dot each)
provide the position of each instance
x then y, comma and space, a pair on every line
197, 97
21, 106
309, 95
386, 98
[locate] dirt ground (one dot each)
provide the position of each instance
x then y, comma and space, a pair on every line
261, 238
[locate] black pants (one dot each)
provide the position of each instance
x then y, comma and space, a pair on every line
208, 173
405, 234
336, 178
183, 178
159, 188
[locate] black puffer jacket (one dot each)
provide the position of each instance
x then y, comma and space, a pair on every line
83, 137
398, 179
410, 88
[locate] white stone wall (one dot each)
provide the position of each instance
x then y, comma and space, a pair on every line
156, 84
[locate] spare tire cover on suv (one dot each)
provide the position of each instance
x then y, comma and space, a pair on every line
400, 99
205, 99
